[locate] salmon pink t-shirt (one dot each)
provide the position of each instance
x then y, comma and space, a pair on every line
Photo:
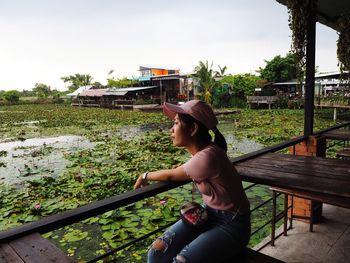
217, 180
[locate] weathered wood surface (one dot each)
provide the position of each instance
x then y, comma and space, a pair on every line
337, 135
8, 255
32, 249
326, 180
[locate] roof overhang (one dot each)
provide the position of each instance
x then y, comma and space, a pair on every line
329, 11
123, 91
166, 77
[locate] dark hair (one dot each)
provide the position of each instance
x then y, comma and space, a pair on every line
203, 132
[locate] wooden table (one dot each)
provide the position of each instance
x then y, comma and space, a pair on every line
342, 135
321, 179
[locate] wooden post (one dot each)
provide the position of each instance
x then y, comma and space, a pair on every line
310, 71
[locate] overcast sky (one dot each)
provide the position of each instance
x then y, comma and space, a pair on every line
43, 40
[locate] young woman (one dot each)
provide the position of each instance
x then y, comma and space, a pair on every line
227, 231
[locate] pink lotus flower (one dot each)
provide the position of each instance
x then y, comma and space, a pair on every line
162, 202
37, 206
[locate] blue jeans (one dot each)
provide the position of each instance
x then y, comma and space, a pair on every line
223, 238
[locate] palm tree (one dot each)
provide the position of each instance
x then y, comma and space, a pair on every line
205, 75
221, 72
77, 80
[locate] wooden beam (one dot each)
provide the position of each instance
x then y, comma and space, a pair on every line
310, 71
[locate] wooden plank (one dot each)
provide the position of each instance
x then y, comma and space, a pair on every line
324, 198
309, 162
315, 160
36, 249
311, 166
337, 135
8, 255
294, 181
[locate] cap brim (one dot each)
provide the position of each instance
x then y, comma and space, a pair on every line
170, 110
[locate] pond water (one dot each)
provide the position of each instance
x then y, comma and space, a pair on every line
34, 158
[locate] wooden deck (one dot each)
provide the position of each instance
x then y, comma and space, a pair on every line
32, 249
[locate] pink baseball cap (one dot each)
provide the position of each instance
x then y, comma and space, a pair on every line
198, 109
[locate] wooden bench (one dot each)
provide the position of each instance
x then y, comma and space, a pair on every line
36, 249
344, 154
32, 249
284, 214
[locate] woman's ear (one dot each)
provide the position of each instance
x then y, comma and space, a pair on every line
194, 128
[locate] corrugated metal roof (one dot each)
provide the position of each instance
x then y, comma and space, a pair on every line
110, 90
79, 90
93, 93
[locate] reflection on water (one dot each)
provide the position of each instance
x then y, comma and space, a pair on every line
129, 132
62, 141
236, 147
38, 157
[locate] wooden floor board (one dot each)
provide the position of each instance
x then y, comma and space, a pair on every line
8, 255
35, 249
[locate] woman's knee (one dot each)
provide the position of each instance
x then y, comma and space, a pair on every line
162, 243
180, 259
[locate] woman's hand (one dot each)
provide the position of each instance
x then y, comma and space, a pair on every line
140, 182
175, 174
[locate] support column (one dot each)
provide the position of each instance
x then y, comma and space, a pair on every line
314, 146
310, 71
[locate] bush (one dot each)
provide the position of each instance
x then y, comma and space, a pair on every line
296, 103
282, 102
12, 96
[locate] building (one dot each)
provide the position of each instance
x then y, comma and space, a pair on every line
156, 86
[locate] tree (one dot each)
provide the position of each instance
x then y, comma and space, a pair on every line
12, 96
77, 80
121, 83
279, 69
205, 75
221, 72
2, 92
42, 90
242, 85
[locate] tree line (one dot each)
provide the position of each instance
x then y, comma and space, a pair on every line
217, 88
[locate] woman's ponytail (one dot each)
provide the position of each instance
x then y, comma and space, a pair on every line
219, 139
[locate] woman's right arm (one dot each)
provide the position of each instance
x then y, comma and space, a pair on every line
175, 174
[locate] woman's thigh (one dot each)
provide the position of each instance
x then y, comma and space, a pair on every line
167, 246
218, 243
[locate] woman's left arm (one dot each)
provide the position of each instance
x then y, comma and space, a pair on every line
175, 174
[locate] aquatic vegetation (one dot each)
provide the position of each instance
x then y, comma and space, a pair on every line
111, 167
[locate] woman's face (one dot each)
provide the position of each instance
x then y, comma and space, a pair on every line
180, 133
